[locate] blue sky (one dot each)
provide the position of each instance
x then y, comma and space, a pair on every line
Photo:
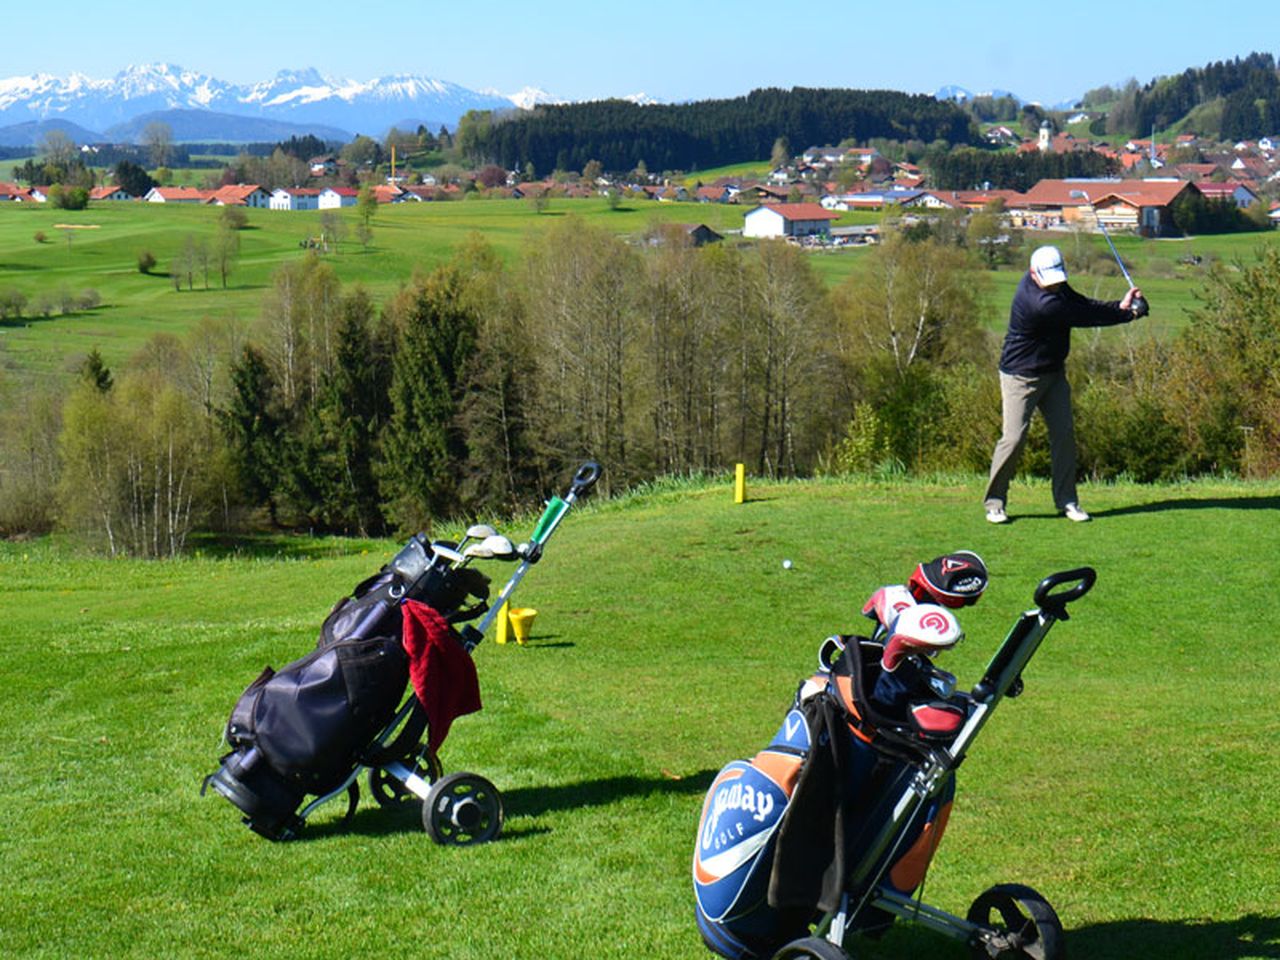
667, 49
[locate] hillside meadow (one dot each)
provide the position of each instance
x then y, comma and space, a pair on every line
1132, 783
97, 249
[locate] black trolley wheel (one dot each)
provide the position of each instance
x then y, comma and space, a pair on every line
1019, 923
462, 809
390, 792
811, 948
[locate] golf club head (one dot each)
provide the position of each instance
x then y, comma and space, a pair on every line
492, 547
479, 531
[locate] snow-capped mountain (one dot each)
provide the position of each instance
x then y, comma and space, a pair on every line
959, 94
305, 97
529, 97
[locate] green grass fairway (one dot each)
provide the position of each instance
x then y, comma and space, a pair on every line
1133, 783
98, 249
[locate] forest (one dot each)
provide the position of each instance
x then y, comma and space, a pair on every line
1236, 99
709, 133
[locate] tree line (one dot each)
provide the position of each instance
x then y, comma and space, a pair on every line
474, 387
708, 133
1236, 99
968, 168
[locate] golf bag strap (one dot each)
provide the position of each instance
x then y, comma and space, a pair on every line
405, 743
809, 858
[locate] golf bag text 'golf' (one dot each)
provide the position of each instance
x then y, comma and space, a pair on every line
776, 832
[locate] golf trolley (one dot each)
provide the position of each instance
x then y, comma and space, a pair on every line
890, 783
321, 723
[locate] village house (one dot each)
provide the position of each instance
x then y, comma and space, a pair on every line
323, 166
1228, 190
788, 220
871, 199
240, 195
331, 198
713, 195
12, 193
389, 193
295, 198
109, 193
176, 195
1139, 206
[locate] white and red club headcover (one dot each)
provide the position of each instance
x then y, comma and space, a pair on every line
887, 602
924, 628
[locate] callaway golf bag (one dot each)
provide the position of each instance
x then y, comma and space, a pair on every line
313, 726
834, 824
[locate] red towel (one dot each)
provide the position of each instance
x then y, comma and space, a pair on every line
442, 672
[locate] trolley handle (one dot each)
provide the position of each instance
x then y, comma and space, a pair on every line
1055, 603
585, 478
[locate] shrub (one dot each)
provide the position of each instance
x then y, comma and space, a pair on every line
12, 303
233, 218
43, 306
146, 261
40, 237
68, 198
865, 444
89, 299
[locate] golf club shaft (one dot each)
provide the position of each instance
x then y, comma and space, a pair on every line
556, 509
1115, 253
1102, 227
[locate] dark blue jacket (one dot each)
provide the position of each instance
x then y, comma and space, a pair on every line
1040, 323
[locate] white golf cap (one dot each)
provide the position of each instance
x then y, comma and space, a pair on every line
1047, 266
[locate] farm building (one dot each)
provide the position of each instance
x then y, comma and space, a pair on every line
788, 220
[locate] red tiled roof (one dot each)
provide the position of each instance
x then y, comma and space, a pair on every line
1141, 193
183, 193
233, 193
803, 211
1057, 193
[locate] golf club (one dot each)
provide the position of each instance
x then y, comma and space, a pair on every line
477, 531
531, 551
1139, 305
492, 547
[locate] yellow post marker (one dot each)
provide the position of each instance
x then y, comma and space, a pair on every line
502, 623
739, 483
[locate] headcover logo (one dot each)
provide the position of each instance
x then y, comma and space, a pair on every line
937, 622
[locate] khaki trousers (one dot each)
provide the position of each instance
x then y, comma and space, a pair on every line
1049, 393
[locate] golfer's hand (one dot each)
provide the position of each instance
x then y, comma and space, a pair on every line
1135, 303
1126, 303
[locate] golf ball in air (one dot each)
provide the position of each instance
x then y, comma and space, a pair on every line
786, 564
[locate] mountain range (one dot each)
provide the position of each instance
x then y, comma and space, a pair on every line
198, 107
203, 108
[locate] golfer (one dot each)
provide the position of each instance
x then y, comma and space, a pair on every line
1033, 375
